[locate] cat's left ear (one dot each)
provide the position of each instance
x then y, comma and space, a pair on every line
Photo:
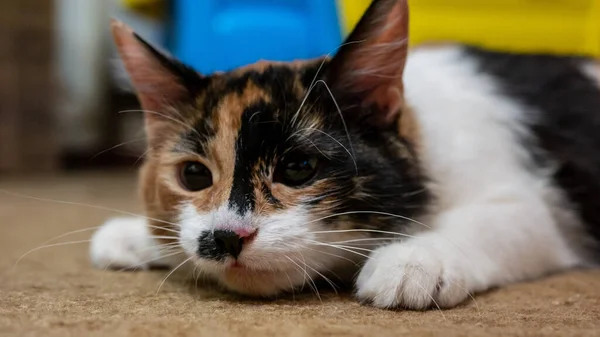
370, 64
159, 80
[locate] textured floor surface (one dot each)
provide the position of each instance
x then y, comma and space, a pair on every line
55, 292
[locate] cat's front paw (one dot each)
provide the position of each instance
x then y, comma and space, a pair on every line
409, 275
123, 243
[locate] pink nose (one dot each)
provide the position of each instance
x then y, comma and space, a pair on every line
245, 233
232, 242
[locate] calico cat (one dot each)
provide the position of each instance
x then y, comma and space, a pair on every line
422, 177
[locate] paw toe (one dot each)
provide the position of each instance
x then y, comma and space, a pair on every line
409, 277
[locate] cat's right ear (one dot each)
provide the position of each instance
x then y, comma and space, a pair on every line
370, 64
159, 80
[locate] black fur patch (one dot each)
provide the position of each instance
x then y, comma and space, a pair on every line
567, 126
257, 140
197, 138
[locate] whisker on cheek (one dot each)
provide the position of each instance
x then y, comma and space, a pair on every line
364, 230
353, 155
98, 207
375, 213
334, 255
116, 147
163, 254
377, 241
341, 248
171, 273
312, 283
181, 122
49, 246
338, 246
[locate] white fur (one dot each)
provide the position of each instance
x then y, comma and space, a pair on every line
494, 222
125, 243
592, 70
283, 255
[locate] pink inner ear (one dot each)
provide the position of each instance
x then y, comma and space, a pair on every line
373, 67
155, 85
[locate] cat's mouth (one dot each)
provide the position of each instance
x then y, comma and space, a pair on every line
237, 267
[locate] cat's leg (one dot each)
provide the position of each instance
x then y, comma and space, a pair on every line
471, 249
126, 243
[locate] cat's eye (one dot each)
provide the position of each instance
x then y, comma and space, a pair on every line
194, 176
296, 169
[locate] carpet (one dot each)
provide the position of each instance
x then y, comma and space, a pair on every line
55, 292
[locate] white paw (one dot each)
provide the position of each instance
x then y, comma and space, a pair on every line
123, 243
412, 276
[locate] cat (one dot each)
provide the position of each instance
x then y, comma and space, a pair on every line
422, 176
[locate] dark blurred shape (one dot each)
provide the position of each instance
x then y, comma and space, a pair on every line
28, 141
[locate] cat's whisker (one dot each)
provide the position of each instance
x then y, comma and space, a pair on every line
116, 147
254, 114
165, 237
428, 295
49, 246
304, 283
171, 273
316, 147
310, 89
102, 208
341, 117
175, 120
364, 230
287, 275
365, 239
299, 252
384, 232
141, 156
468, 294
46, 243
372, 212
334, 255
70, 233
313, 81
338, 247
333, 286
161, 248
98, 227
164, 229
195, 275
312, 283
142, 263
333, 138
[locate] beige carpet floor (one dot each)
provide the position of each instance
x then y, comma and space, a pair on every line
55, 292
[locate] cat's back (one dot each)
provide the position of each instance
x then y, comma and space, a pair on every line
493, 121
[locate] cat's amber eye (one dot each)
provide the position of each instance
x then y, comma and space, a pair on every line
296, 169
195, 176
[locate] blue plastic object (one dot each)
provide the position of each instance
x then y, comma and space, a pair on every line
219, 35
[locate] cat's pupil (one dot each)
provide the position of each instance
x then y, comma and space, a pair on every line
195, 176
298, 169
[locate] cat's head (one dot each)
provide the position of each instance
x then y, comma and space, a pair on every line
276, 173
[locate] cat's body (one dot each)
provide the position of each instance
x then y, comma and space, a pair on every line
481, 169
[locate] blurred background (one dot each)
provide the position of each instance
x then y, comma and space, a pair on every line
63, 91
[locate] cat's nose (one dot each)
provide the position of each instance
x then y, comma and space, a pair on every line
228, 241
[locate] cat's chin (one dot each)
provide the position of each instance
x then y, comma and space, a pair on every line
259, 283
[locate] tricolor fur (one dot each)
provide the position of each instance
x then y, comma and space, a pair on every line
439, 173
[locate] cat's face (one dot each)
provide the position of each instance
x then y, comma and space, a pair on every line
277, 173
